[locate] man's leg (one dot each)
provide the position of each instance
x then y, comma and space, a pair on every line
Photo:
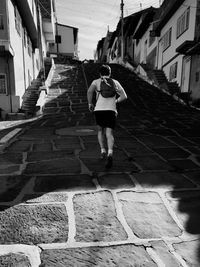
101, 140
110, 143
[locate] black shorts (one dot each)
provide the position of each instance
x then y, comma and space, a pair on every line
105, 118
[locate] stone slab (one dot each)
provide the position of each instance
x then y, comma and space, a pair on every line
42, 147
189, 251
194, 176
19, 146
116, 181
9, 169
78, 131
154, 141
49, 197
186, 205
147, 216
172, 153
183, 164
14, 260
11, 186
112, 256
152, 162
96, 218
97, 165
164, 254
67, 143
34, 224
63, 183
38, 156
11, 158
167, 180
57, 166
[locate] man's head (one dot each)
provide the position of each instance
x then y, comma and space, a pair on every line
105, 70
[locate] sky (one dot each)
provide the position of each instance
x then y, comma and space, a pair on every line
93, 18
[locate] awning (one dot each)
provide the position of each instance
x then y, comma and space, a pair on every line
189, 48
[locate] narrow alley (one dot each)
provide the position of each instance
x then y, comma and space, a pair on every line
60, 207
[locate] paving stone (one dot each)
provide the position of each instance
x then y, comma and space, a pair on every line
152, 162
139, 151
21, 146
194, 176
180, 141
11, 186
57, 166
186, 205
34, 224
147, 216
38, 198
154, 141
42, 147
124, 255
189, 252
9, 169
63, 183
116, 181
164, 254
98, 165
185, 164
14, 260
11, 158
67, 143
38, 156
96, 218
172, 153
167, 180
194, 150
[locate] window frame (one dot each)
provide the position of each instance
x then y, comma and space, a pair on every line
5, 81
2, 26
173, 71
167, 39
182, 24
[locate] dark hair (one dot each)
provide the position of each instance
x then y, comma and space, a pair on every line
105, 70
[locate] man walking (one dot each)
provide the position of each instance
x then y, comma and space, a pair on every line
105, 111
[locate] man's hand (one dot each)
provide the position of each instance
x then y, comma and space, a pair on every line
91, 107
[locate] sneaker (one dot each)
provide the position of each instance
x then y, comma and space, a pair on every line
109, 162
103, 156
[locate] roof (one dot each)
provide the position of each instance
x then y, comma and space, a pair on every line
165, 12
67, 26
145, 20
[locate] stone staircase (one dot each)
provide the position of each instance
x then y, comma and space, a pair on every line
32, 93
158, 76
67, 93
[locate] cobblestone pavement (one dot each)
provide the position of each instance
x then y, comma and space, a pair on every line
60, 207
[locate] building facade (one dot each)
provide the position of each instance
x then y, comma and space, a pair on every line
66, 42
168, 39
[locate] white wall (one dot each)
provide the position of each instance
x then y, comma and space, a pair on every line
166, 57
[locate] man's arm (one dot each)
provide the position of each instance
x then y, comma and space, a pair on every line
90, 93
122, 94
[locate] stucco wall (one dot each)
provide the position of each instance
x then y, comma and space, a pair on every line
166, 57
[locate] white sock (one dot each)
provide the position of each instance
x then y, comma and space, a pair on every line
110, 152
103, 150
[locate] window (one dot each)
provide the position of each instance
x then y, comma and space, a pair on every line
183, 22
17, 21
58, 39
166, 39
3, 87
29, 46
173, 71
197, 76
1, 22
25, 38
